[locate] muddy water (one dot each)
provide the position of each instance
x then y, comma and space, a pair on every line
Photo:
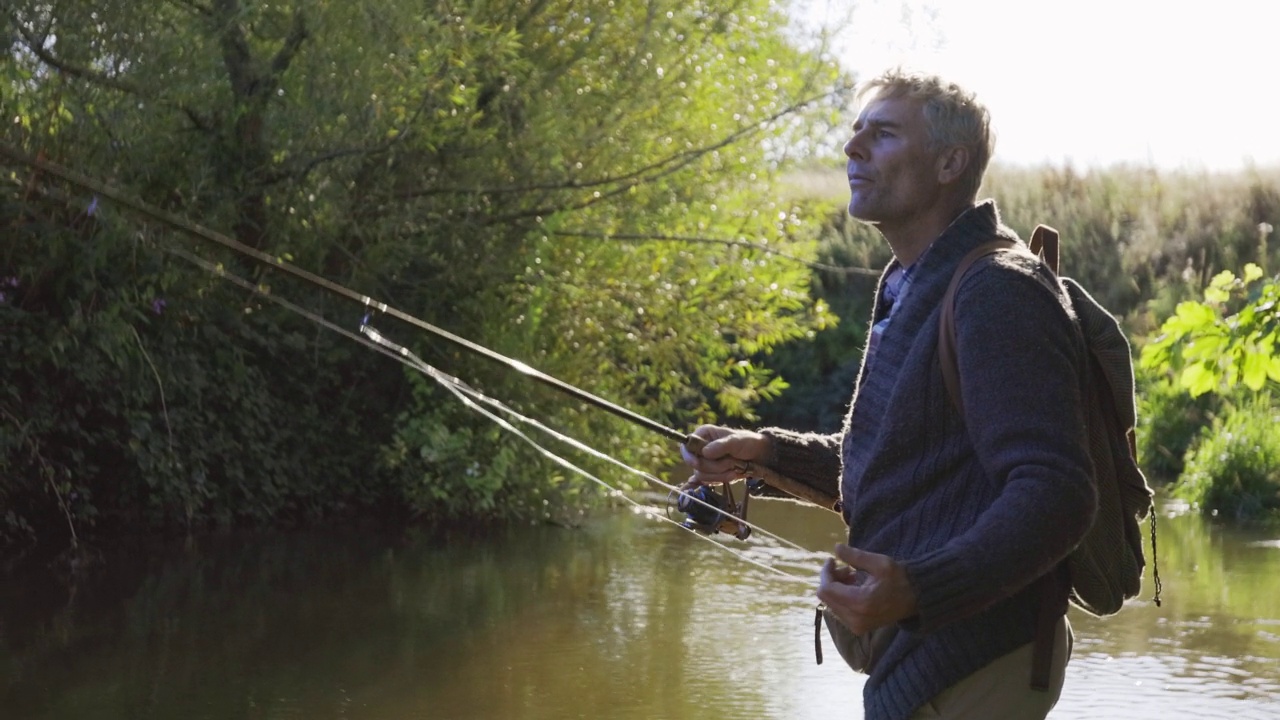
625, 618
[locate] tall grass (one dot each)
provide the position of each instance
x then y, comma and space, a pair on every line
1131, 234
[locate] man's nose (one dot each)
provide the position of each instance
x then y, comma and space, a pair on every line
854, 149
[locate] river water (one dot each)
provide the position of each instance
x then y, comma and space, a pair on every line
626, 617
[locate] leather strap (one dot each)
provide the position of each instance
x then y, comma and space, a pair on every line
947, 324
817, 634
1052, 608
1044, 244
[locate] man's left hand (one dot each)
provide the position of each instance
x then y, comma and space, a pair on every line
869, 591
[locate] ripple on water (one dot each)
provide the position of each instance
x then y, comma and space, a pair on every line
1162, 687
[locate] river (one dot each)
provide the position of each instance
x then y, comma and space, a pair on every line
625, 617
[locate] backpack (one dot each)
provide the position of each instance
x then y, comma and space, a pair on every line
1106, 568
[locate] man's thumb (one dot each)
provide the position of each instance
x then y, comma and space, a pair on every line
860, 559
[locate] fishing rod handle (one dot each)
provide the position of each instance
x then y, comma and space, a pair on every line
794, 488
694, 443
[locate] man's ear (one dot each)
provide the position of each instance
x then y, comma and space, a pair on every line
952, 163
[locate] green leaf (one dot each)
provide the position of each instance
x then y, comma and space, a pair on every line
1252, 272
1208, 346
1216, 294
1154, 355
1254, 372
1223, 280
1189, 318
1198, 379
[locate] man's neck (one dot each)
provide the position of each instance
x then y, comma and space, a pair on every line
910, 240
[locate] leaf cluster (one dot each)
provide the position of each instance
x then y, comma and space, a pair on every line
1227, 339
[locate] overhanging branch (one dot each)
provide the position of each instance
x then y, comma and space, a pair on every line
37, 46
660, 168
726, 242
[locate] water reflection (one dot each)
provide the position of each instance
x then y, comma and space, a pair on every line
1210, 650
626, 618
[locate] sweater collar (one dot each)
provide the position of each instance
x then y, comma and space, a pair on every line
970, 229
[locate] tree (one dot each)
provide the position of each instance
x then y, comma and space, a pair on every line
476, 164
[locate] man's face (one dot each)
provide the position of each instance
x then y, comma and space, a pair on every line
893, 175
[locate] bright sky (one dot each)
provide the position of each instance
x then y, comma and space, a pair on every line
1170, 83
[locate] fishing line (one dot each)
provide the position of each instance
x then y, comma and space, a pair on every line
181, 224
461, 392
473, 399
692, 442
453, 384
456, 386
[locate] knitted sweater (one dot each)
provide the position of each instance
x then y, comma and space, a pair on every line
976, 508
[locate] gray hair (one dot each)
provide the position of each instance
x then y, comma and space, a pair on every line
953, 117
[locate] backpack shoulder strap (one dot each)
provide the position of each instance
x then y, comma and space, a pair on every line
947, 323
1044, 244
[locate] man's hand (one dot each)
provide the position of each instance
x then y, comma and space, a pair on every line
726, 454
869, 591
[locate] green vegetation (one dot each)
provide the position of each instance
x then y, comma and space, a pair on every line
506, 169
1149, 245
1224, 347
1234, 470
599, 189
1227, 340
1169, 421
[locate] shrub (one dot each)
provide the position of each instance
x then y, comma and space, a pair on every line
1169, 421
1234, 469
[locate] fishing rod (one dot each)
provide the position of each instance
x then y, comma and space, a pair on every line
692, 442
699, 512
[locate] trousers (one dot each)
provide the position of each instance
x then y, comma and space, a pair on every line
1002, 689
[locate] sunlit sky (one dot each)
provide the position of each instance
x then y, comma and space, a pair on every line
1169, 83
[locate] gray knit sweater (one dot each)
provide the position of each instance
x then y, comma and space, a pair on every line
976, 509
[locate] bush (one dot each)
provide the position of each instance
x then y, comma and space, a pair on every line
139, 393
1169, 420
1234, 469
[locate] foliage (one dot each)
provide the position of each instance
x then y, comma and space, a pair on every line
576, 184
1140, 240
1228, 339
1133, 233
822, 371
1224, 347
1169, 422
1234, 469
141, 393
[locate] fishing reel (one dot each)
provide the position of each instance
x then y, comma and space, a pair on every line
708, 512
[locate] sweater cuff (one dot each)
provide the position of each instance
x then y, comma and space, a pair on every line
809, 458
802, 453
944, 589
777, 437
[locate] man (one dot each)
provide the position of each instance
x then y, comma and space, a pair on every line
957, 524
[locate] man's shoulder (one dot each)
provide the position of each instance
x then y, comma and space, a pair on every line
1009, 278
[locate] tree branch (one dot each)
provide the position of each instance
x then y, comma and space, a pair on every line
297, 35
96, 77
639, 176
235, 49
37, 48
726, 242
